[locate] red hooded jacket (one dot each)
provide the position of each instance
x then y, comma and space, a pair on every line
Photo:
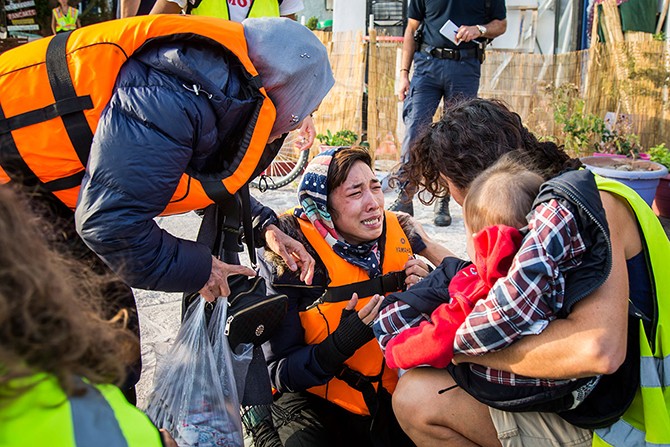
432, 342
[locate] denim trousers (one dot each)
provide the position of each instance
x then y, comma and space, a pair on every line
433, 80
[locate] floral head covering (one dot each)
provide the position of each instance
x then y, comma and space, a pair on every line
313, 197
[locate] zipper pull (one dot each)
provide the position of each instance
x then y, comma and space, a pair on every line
196, 89
229, 320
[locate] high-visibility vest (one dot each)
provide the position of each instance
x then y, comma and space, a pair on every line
44, 415
65, 22
320, 320
52, 93
219, 8
647, 420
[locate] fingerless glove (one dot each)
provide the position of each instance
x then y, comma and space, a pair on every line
345, 340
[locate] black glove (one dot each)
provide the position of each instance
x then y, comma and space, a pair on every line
350, 335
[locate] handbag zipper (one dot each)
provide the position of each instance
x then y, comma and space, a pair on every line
230, 318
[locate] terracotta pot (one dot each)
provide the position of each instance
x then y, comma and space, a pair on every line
640, 175
662, 199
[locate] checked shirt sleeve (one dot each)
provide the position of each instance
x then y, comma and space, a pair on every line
533, 288
394, 319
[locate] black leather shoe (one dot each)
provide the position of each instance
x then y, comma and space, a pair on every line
442, 217
403, 203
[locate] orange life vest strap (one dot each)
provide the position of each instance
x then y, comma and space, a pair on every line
68, 106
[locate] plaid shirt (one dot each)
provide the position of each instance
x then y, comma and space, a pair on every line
521, 303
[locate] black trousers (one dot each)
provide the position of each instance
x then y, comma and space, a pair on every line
118, 295
306, 420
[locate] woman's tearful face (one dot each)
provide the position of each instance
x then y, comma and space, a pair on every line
357, 205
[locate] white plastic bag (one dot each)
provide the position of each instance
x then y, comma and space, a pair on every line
188, 399
225, 361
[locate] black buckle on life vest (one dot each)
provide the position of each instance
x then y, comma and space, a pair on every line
359, 382
390, 282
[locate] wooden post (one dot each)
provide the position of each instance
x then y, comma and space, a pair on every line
373, 90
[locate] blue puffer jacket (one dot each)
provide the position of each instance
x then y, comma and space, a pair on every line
174, 105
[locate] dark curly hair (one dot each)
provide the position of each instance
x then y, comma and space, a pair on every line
50, 310
471, 136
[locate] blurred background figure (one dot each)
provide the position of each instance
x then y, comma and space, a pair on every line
64, 18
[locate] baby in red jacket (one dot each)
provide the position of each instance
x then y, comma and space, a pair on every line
493, 238
418, 327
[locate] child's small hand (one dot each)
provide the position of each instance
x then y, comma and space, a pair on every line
416, 270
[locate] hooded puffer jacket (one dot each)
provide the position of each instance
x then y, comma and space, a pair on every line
162, 104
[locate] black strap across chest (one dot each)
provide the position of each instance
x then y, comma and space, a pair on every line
67, 105
388, 283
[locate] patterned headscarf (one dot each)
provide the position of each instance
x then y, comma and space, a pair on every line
313, 196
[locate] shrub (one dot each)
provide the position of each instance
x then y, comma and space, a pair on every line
312, 23
660, 154
339, 138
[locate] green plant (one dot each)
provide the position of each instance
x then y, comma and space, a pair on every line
581, 131
339, 138
312, 23
620, 139
660, 154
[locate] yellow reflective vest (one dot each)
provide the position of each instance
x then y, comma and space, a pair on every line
219, 8
65, 22
647, 421
45, 416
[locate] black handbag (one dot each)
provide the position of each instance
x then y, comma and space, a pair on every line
253, 315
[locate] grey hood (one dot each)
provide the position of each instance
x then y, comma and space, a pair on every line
293, 66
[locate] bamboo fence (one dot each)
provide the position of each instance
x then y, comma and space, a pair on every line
628, 74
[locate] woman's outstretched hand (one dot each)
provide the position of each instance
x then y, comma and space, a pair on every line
291, 251
369, 312
217, 285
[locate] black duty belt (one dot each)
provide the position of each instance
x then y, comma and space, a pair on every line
448, 53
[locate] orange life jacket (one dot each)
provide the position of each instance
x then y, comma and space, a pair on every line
320, 320
52, 92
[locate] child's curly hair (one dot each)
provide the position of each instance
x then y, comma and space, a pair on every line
50, 310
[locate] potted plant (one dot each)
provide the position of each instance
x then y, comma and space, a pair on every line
618, 139
579, 132
661, 154
340, 138
641, 175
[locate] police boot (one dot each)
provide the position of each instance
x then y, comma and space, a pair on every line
403, 203
442, 217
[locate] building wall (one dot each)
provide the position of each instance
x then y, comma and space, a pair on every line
315, 8
349, 15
